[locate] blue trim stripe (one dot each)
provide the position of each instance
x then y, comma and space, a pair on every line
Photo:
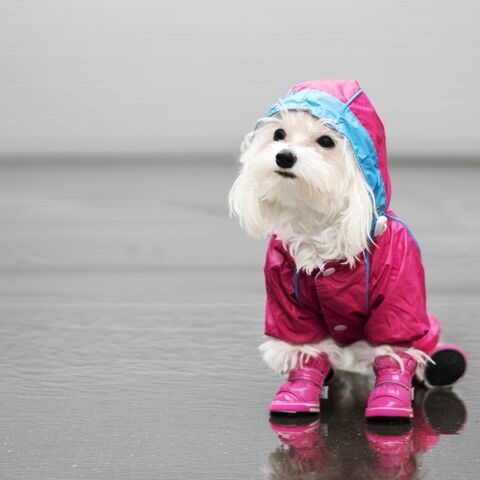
392, 217
353, 97
337, 115
296, 286
367, 278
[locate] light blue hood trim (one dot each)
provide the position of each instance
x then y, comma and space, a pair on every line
337, 115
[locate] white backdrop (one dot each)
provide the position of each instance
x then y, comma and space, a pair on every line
179, 76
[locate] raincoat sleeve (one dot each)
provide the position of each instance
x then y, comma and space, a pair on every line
398, 314
289, 313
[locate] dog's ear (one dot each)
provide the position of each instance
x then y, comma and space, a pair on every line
247, 141
243, 198
245, 204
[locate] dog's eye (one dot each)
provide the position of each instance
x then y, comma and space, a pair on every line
325, 141
279, 134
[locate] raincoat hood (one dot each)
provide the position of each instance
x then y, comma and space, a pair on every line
344, 106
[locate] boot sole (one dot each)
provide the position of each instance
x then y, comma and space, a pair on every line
294, 408
450, 366
375, 412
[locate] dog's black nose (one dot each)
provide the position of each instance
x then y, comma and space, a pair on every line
285, 159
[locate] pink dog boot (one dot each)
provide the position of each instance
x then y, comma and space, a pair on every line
301, 393
449, 367
392, 395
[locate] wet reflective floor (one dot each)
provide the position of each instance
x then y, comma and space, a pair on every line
130, 314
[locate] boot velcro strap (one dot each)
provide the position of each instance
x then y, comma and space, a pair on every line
308, 374
389, 382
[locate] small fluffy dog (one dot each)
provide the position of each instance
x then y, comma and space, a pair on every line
344, 278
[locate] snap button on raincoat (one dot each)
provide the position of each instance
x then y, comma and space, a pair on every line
382, 299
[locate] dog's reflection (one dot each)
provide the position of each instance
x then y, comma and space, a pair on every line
340, 444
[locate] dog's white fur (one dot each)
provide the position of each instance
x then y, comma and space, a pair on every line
282, 357
324, 213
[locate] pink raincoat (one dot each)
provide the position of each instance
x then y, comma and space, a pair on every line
382, 299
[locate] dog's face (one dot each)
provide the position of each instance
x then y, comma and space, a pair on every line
294, 161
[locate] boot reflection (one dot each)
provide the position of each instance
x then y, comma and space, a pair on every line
339, 443
394, 451
306, 449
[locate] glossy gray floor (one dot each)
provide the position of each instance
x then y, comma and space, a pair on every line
130, 312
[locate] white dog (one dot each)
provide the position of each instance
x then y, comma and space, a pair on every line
345, 282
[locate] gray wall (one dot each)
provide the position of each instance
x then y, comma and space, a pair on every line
148, 76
